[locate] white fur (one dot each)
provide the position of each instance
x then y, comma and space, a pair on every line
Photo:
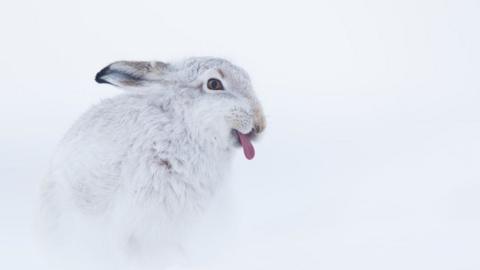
147, 162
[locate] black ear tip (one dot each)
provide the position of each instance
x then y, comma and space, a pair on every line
101, 74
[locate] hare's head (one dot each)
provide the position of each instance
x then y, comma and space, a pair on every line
216, 93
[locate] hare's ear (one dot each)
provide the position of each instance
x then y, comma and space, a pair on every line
127, 74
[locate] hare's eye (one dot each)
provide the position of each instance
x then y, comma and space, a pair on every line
214, 84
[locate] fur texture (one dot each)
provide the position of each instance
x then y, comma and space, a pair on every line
146, 162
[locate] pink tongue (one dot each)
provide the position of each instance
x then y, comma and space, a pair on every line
248, 149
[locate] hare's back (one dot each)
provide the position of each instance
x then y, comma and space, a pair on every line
102, 145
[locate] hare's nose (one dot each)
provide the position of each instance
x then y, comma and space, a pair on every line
258, 128
259, 119
259, 125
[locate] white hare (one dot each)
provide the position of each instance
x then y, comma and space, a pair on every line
143, 163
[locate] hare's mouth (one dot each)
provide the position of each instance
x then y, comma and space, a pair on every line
245, 140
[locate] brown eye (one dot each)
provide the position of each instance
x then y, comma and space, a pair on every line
214, 84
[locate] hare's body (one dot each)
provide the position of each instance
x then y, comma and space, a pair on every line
144, 164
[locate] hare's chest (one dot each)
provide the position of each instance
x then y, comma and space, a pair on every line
185, 175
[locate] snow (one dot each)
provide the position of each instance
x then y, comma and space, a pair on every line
370, 159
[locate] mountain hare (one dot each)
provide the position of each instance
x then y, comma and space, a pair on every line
142, 164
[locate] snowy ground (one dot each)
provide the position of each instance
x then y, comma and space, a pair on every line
371, 158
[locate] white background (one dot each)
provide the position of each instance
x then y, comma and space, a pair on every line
371, 157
